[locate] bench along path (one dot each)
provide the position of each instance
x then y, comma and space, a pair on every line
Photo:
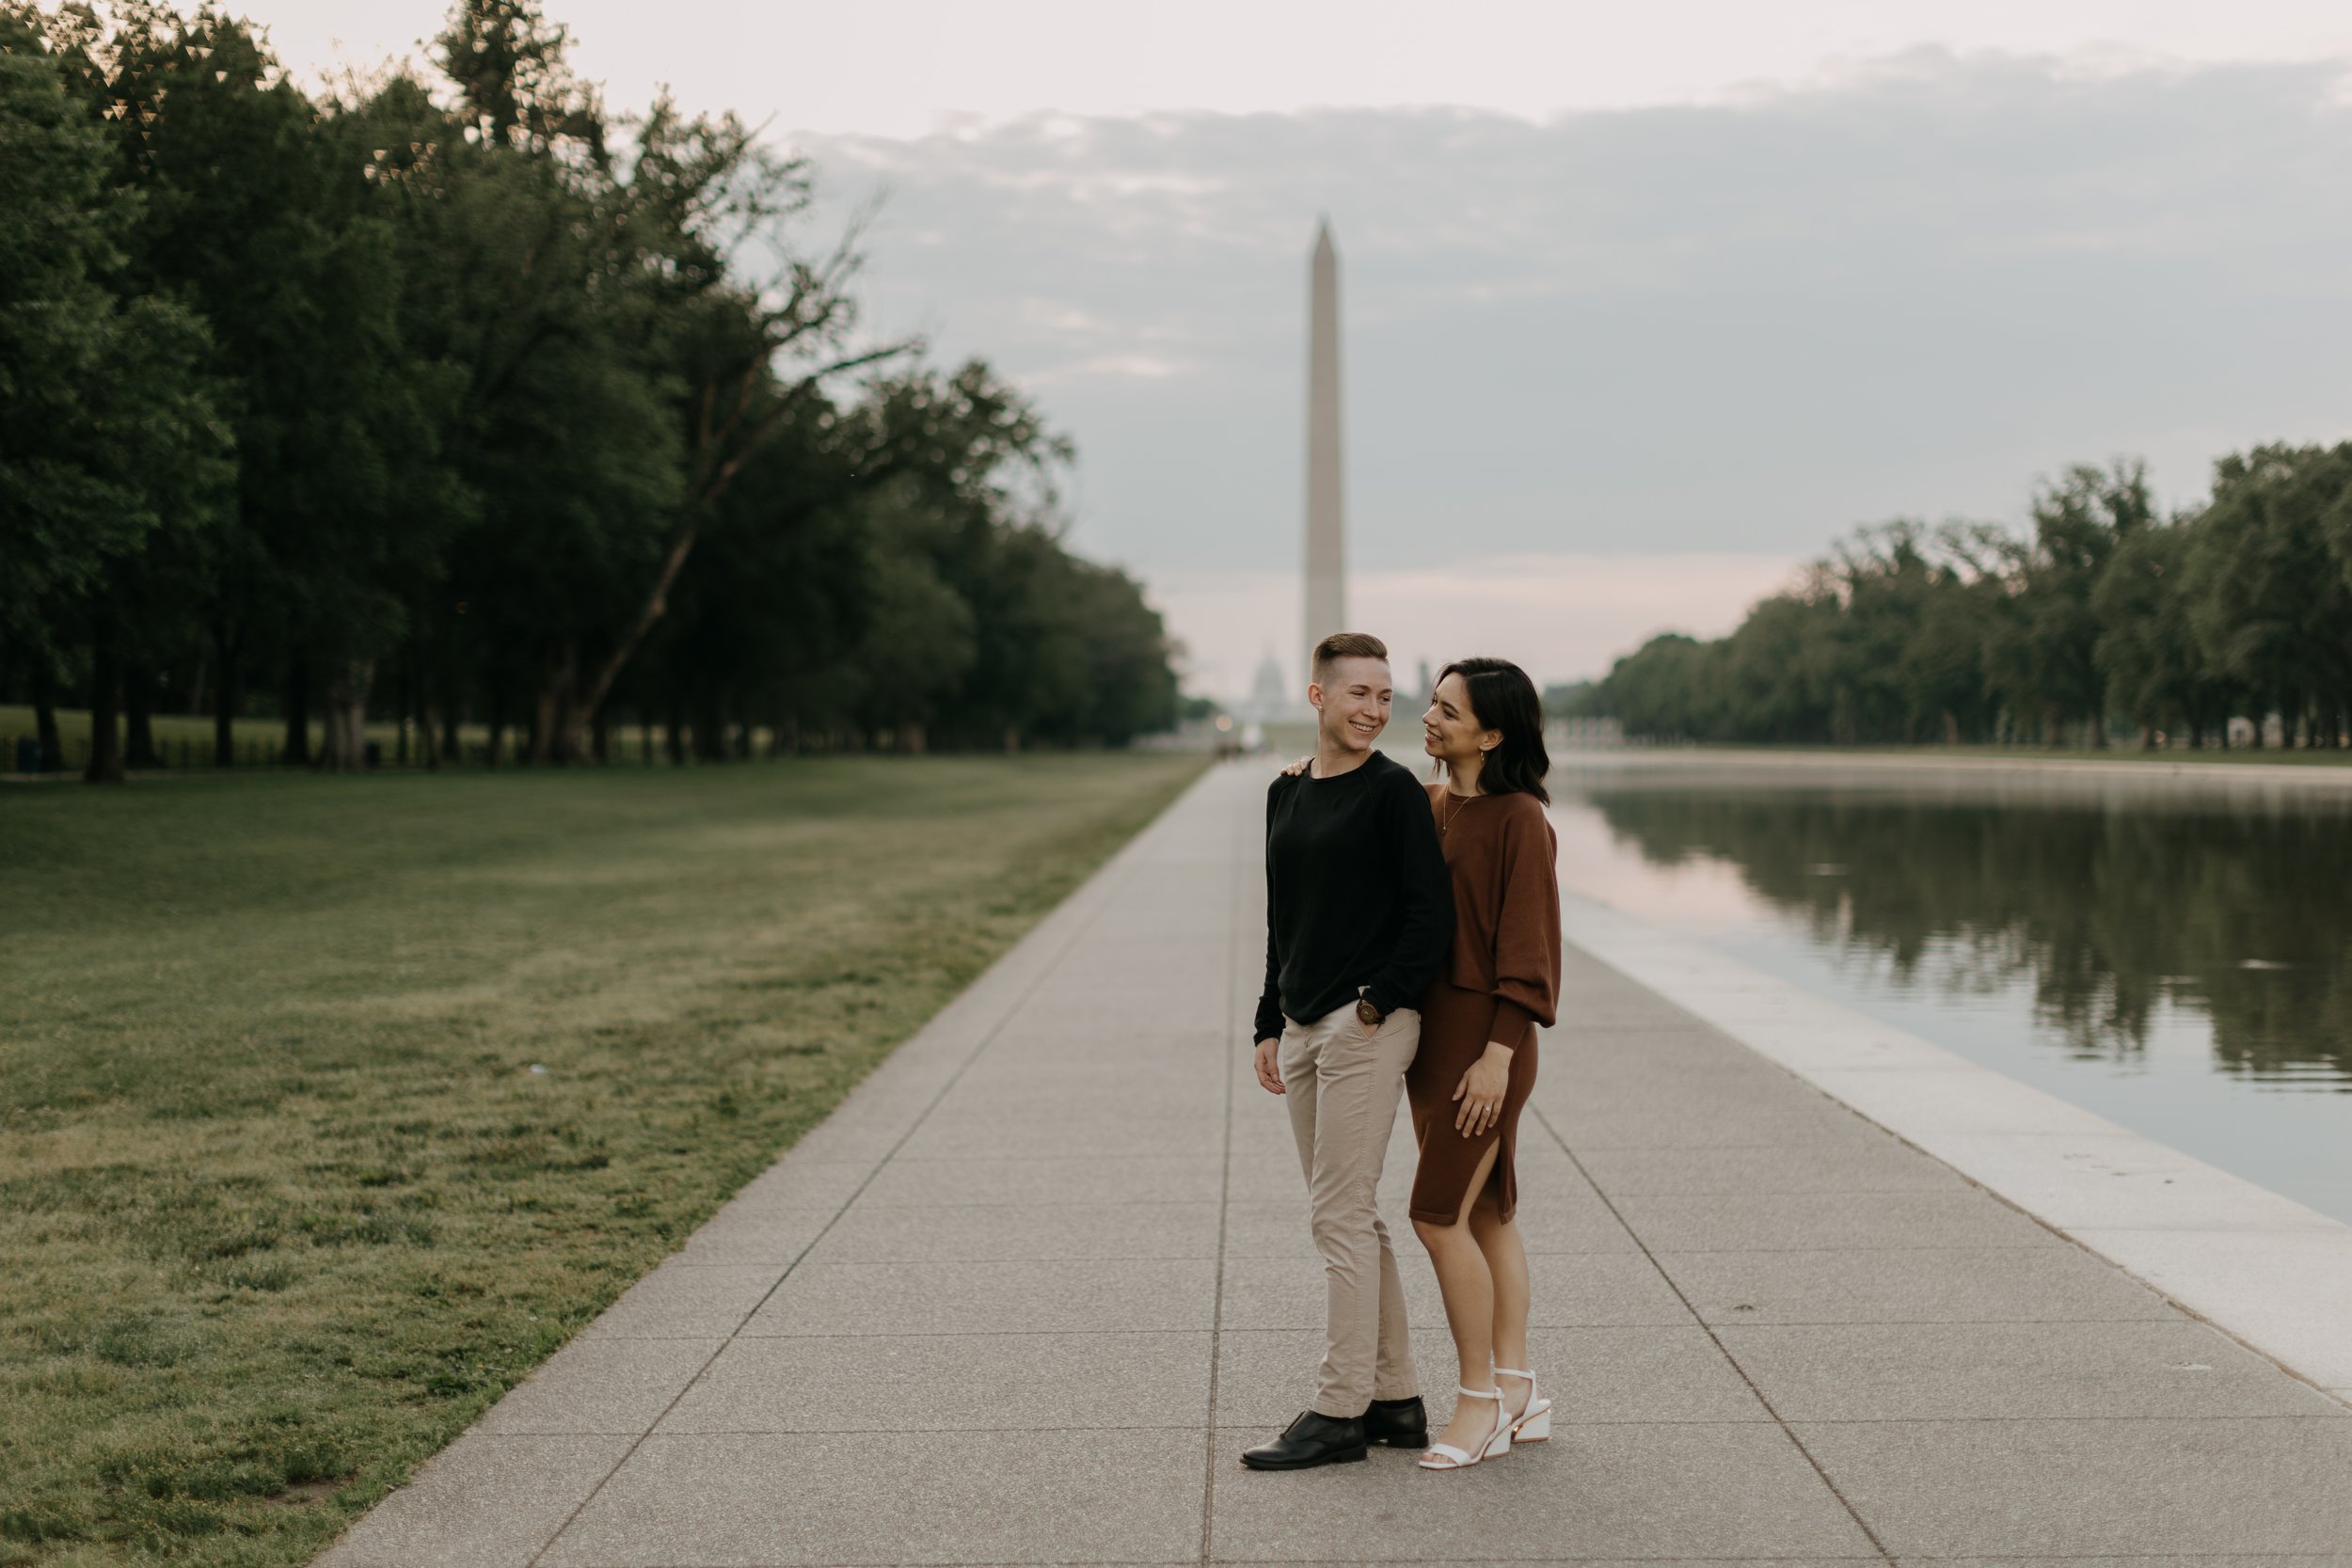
1024, 1297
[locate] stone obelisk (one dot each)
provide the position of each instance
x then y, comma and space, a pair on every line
1326, 525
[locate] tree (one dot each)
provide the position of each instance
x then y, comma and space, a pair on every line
2271, 608
107, 432
2146, 647
472, 397
747, 359
2044, 664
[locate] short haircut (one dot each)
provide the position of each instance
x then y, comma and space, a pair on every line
1347, 644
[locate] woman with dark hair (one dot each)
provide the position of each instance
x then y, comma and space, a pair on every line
1476, 1066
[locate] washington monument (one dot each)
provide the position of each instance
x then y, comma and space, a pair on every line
1326, 516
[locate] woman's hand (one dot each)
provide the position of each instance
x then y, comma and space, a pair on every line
1481, 1090
1269, 1072
1297, 767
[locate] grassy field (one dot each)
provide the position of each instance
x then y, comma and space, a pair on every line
285, 1196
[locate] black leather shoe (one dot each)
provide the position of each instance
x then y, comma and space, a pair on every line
1310, 1440
1398, 1424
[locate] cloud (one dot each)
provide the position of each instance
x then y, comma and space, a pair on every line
1739, 329
1140, 367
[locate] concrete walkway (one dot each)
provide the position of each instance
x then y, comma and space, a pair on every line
1025, 1296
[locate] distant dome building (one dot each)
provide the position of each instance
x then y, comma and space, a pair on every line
1271, 695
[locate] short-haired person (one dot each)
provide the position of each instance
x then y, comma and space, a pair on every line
1358, 914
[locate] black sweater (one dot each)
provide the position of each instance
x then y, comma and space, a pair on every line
1357, 893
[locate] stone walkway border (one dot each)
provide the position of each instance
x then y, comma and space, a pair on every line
2272, 1272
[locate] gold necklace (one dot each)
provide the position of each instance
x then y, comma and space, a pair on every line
1447, 822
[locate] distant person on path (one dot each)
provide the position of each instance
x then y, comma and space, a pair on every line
1358, 915
1476, 1066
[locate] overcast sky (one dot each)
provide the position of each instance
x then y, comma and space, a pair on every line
1641, 310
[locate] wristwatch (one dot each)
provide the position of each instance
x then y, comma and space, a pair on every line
1368, 1015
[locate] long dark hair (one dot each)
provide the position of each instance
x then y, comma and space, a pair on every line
1502, 697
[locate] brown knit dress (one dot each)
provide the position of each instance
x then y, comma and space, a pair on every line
1499, 980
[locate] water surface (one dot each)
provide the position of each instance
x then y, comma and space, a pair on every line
2172, 956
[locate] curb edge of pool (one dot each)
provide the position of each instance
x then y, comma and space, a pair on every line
2266, 1270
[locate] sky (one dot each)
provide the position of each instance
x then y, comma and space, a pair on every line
1643, 306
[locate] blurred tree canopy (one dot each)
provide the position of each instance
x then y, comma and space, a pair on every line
455, 400
2108, 617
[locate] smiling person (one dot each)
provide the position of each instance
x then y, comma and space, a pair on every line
1358, 914
1499, 979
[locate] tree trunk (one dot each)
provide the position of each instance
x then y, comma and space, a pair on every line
401, 711
106, 710
657, 605
710, 738
674, 738
225, 697
497, 726
196, 683
600, 735
553, 728
296, 752
46, 716
139, 688
346, 749
452, 742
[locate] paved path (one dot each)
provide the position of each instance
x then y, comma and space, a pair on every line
1024, 1298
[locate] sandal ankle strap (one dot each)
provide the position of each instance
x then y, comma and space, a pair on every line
1514, 1372
1479, 1393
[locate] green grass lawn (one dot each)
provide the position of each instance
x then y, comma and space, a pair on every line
284, 1203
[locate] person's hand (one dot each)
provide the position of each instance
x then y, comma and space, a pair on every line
1297, 767
1270, 1075
1481, 1090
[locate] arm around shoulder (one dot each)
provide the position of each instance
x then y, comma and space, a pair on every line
1426, 891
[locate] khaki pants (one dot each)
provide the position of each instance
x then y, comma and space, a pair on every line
1342, 1087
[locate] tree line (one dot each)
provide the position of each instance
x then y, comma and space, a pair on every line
454, 399
2107, 618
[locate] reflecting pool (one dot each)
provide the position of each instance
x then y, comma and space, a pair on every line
2175, 955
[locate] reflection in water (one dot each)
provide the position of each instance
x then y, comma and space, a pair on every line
2109, 904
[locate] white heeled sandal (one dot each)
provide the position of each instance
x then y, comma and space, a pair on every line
1445, 1456
1533, 1424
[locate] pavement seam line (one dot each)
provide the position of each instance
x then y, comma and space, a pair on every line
987, 1038
1721, 1349
1224, 1203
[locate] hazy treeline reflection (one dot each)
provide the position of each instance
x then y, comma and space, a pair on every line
2107, 903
